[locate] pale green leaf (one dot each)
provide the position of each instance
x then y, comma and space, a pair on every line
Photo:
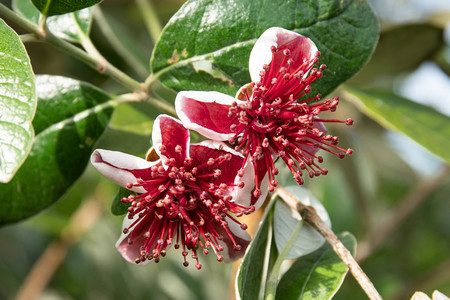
17, 103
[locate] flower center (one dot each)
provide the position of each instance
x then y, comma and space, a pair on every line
186, 201
272, 122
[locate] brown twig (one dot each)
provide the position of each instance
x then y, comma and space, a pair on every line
403, 210
310, 216
55, 253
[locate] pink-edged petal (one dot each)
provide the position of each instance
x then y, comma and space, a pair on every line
121, 168
240, 237
321, 127
202, 152
245, 195
132, 251
206, 113
170, 138
301, 48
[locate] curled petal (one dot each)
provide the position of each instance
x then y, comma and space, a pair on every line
245, 195
238, 237
206, 113
170, 138
301, 50
121, 168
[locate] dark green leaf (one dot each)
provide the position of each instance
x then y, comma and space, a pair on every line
249, 276
119, 208
70, 118
317, 275
69, 26
214, 55
422, 123
59, 7
399, 50
17, 103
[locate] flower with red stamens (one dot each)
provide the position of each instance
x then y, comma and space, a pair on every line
270, 118
187, 195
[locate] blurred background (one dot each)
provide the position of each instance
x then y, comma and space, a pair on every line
392, 194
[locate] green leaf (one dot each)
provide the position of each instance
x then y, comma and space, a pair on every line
214, 55
119, 208
71, 26
421, 123
250, 273
59, 7
17, 103
70, 117
317, 275
285, 221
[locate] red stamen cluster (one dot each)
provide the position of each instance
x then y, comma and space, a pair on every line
183, 201
274, 123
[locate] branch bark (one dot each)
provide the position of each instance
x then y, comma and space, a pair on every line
310, 216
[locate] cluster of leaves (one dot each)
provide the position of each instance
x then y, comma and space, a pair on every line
49, 125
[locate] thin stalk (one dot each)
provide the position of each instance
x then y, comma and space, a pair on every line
272, 281
72, 50
118, 45
42, 23
150, 19
28, 37
104, 66
310, 216
162, 105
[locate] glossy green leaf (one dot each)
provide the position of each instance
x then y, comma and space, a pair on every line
317, 275
250, 273
17, 103
214, 55
285, 221
59, 7
71, 26
70, 117
119, 208
421, 123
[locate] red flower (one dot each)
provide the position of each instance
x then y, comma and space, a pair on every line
267, 120
188, 195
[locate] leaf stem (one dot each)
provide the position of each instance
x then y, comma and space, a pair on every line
272, 281
150, 18
118, 45
310, 216
95, 62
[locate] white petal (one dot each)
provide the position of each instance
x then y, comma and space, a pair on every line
157, 134
238, 233
114, 165
125, 252
204, 97
262, 54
